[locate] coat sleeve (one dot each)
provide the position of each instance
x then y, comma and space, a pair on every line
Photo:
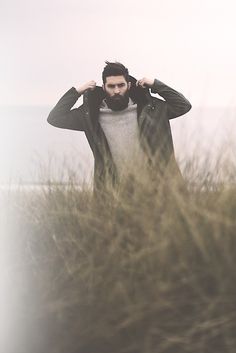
64, 117
177, 104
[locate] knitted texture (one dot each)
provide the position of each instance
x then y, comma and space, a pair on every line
122, 133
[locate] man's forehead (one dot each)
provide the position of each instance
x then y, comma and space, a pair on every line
115, 79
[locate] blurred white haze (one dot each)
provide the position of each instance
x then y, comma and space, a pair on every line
48, 47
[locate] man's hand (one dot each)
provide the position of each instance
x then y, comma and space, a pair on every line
87, 86
145, 82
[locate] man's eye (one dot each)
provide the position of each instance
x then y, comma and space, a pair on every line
113, 86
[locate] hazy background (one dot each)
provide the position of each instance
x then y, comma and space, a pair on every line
48, 47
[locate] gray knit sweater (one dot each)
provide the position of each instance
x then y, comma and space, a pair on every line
122, 133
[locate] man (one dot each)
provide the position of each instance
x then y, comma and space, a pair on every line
127, 128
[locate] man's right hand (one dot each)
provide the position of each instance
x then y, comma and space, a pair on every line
87, 86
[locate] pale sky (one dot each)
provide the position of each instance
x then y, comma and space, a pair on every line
50, 46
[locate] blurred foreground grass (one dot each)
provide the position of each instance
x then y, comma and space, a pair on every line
146, 270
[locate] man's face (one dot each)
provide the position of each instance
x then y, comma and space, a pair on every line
117, 92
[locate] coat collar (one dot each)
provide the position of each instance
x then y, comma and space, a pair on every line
93, 99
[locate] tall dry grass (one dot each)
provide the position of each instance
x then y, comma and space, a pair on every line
149, 268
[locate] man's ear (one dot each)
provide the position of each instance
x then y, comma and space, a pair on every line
129, 85
103, 87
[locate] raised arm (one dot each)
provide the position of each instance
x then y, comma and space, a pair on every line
63, 116
177, 104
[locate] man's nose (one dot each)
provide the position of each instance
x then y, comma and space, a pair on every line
117, 90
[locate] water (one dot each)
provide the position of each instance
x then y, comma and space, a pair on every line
32, 151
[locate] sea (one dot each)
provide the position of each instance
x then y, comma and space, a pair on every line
33, 152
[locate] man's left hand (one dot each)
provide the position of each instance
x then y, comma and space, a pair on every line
145, 82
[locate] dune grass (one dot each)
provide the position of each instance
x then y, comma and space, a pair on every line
147, 269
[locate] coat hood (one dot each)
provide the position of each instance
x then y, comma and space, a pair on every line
139, 95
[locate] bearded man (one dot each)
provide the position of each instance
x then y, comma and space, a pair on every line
127, 128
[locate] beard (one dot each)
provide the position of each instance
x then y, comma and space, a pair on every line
118, 102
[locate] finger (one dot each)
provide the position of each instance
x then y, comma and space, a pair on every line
92, 85
143, 82
139, 82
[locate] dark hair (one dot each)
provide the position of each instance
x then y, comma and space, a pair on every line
114, 69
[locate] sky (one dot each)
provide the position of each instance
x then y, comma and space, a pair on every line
49, 46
